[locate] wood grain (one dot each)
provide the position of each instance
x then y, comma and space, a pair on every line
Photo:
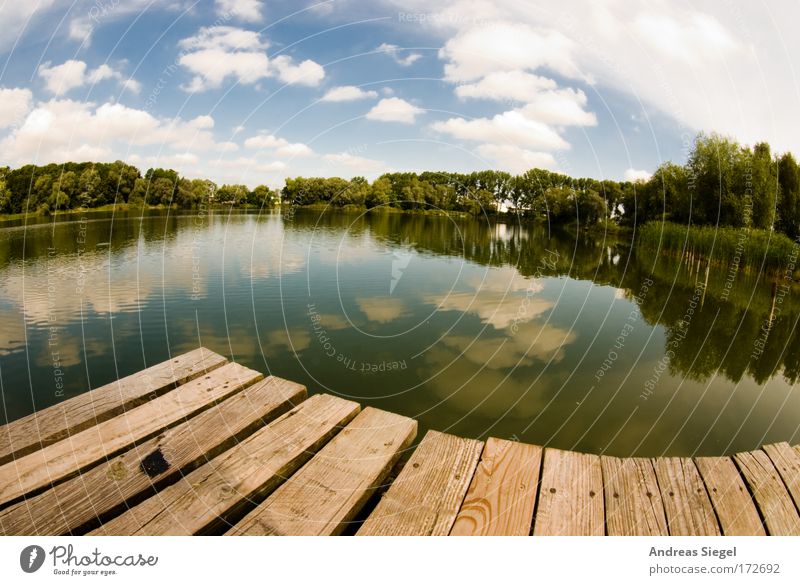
116, 483
570, 495
686, 503
632, 499
502, 495
769, 492
82, 450
736, 511
426, 496
331, 489
217, 494
50, 425
787, 461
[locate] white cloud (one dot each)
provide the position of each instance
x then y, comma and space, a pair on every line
101, 73
60, 79
218, 53
15, 103
347, 93
506, 85
510, 127
264, 141
15, 16
62, 130
224, 37
212, 66
279, 146
294, 150
306, 73
227, 147
505, 46
515, 159
132, 86
394, 110
714, 67
636, 176
394, 52
80, 29
247, 10
356, 164
560, 107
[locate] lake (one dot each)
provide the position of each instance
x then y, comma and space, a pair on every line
476, 327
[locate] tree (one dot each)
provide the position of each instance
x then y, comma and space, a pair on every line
138, 196
380, 193
715, 178
161, 191
263, 196
232, 194
89, 188
789, 181
5, 192
765, 186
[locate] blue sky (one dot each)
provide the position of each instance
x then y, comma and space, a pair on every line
250, 91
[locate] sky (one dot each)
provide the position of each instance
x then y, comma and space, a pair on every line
251, 91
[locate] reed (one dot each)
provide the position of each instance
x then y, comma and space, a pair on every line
752, 249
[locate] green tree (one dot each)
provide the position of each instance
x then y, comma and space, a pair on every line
380, 193
715, 177
161, 191
5, 192
765, 186
89, 188
789, 181
263, 196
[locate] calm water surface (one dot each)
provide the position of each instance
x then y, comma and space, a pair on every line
480, 329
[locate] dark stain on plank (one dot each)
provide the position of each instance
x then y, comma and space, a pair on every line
154, 464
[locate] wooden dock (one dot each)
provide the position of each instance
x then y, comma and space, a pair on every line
201, 445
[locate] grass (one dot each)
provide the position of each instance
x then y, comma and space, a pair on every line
753, 250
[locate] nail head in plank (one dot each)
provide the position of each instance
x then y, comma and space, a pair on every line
78, 452
769, 492
736, 511
52, 424
117, 482
787, 462
328, 492
686, 503
633, 502
502, 495
570, 495
427, 494
225, 488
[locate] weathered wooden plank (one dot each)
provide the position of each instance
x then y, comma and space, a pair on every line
428, 492
736, 511
331, 489
218, 493
115, 483
57, 422
769, 492
633, 502
80, 451
787, 462
686, 503
570, 495
502, 495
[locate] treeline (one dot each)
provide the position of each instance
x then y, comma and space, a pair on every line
537, 192
57, 187
722, 184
